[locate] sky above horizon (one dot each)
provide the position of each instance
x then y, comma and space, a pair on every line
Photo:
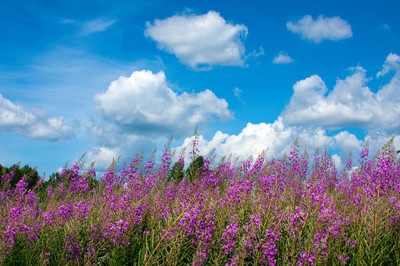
110, 79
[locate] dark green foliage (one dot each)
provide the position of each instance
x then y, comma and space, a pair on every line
176, 173
193, 172
18, 254
55, 179
93, 183
195, 169
31, 175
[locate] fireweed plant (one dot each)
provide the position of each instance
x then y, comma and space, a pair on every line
288, 211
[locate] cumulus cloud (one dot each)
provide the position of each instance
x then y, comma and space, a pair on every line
392, 63
347, 142
113, 141
31, 123
311, 111
274, 137
350, 103
143, 103
140, 112
283, 58
200, 40
277, 138
338, 161
323, 28
102, 156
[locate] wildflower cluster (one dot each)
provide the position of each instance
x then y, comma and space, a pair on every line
288, 211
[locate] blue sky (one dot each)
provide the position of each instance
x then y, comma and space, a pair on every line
110, 79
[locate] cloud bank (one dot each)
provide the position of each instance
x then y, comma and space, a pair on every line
274, 137
142, 110
313, 110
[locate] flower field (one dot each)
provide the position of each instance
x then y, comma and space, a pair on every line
296, 210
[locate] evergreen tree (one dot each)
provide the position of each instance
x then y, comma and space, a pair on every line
176, 173
31, 175
195, 169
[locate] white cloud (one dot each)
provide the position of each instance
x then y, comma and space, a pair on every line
31, 123
97, 25
338, 161
310, 111
102, 156
350, 103
143, 103
275, 137
347, 142
141, 111
377, 139
113, 141
323, 28
200, 40
392, 62
283, 58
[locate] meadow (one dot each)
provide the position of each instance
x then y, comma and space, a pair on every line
294, 210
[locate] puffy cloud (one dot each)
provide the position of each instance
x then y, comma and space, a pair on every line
309, 90
102, 156
143, 103
140, 112
350, 103
392, 62
275, 137
347, 142
311, 110
323, 28
200, 40
283, 58
31, 123
338, 161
